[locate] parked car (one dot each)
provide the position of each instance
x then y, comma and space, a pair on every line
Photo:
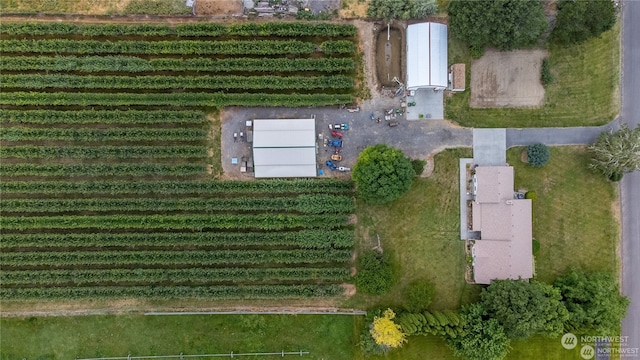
337, 134
336, 157
342, 126
335, 143
331, 165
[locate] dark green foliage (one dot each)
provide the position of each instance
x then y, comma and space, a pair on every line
505, 24
530, 195
538, 155
545, 73
50, 117
578, 20
594, 303
100, 170
615, 177
375, 275
401, 9
525, 308
443, 323
483, 338
418, 166
418, 296
382, 174
535, 246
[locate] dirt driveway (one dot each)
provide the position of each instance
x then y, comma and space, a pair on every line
507, 79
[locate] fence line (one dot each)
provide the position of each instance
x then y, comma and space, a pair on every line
182, 356
266, 312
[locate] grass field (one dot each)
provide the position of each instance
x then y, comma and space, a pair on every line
585, 91
421, 232
96, 7
325, 337
574, 215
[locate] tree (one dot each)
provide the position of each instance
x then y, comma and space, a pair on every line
538, 155
525, 308
382, 174
419, 296
389, 10
616, 153
505, 24
578, 20
594, 303
483, 337
387, 333
375, 275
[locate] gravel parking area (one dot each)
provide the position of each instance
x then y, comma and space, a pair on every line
418, 139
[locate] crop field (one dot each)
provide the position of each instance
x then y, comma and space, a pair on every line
106, 163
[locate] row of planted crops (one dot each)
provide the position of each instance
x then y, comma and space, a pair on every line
106, 154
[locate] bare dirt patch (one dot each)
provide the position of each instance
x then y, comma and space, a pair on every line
218, 7
389, 56
507, 79
354, 9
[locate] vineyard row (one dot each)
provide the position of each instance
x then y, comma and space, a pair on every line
133, 64
306, 239
165, 292
306, 204
275, 186
103, 152
105, 117
198, 275
218, 99
101, 170
110, 134
114, 259
157, 82
181, 47
199, 29
269, 221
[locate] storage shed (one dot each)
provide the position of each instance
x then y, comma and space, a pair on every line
427, 56
284, 148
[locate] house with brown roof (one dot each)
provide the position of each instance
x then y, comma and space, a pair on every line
503, 225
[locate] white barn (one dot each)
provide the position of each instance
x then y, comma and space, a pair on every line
284, 148
427, 56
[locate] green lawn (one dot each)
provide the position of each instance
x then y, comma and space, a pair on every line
421, 232
573, 215
585, 91
325, 337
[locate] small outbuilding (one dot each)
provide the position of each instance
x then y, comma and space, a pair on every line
284, 148
427, 56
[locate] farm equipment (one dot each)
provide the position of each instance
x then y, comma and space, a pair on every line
337, 134
331, 165
336, 157
342, 126
343, 169
393, 123
413, 103
353, 109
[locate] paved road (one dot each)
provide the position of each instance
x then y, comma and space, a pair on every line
554, 136
630, 184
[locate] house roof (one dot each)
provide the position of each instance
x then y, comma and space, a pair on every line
284, 148
427, 56
504, 250
459, 76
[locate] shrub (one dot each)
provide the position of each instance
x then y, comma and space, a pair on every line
546, 77
419, 296
535, 246
418, 166
538, 155
615, 177
579, 20
530, 195
375, 275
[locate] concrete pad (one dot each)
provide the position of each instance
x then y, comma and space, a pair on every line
429, 103
490, 147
